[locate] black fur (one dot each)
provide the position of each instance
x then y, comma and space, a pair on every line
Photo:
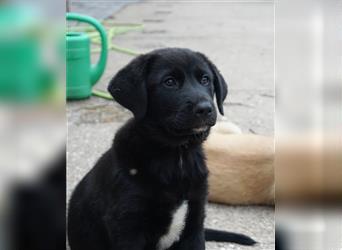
111, 208
222, 236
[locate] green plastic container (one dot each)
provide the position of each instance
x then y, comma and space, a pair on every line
23, 75
81, 75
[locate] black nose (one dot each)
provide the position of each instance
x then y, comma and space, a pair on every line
203, 109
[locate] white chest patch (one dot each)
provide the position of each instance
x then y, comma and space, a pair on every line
176, 227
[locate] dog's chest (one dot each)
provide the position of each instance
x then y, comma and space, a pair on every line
175, 228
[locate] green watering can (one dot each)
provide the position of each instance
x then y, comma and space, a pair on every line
81, 75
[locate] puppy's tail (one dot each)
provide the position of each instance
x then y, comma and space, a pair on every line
223, 236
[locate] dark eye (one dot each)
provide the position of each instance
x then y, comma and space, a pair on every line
170, 82
205, 80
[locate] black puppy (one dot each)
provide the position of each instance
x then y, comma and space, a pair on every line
148, 191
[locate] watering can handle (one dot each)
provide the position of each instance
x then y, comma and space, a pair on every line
98, 68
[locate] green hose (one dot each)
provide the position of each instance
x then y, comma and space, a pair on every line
102, 94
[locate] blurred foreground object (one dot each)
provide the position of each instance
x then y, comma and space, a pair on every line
309, 169
37, 213
24, 74
309, 101
31, 138
241, 168
308, 162
32, 125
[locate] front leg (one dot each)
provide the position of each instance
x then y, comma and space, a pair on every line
193, 235
131, 243
125, 231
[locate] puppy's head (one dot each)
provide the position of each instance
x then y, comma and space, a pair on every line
173, 89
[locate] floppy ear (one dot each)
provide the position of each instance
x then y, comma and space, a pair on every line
128, 86
220, 85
